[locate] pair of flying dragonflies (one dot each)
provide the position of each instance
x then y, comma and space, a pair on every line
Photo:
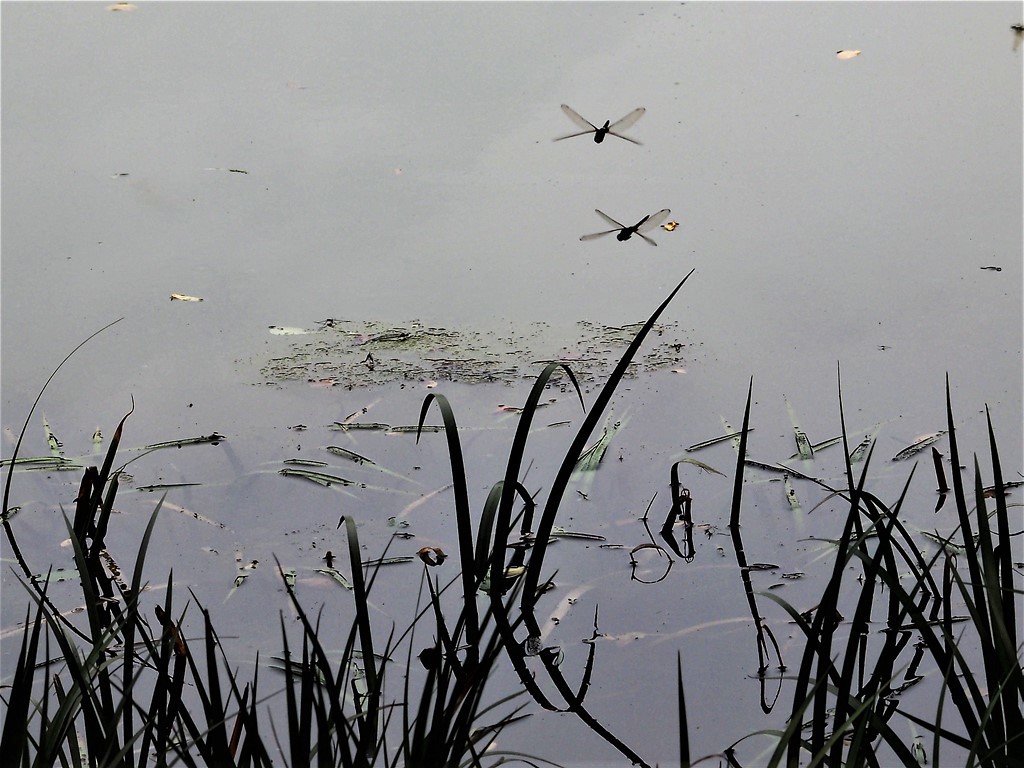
648, 222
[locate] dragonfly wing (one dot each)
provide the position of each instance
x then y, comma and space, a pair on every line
609, 219
580, 133
619, 135
653, 220
646, 238
577, 118
627, 121
594, 235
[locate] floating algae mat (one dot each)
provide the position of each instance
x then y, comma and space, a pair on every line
365, 354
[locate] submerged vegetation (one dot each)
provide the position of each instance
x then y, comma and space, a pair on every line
126, 687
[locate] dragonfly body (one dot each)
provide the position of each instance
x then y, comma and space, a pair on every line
609, 128
624, 233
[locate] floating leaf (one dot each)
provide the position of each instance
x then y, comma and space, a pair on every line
861, 450
337, 575
847, 54
714, 440
246, 571
369, 425
322, 478
559, 532
122, 7
305, 463
346, 453
591, 457
668, 226
51, 438
803, 445
390, 560
432, 556
183, 297
164, 486
214, 439
791, 497
922, 443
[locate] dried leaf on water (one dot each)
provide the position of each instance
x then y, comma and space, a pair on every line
432, 556
350, 455
214, 439
791, 497
321, 478
843, 55
184, 297
922, 442
714, 440
558, 532
337, 576
51, 438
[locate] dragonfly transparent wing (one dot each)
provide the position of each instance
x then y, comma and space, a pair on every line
628, 121
572, 135
609, 219
654, 220
594, 235
581, 121
625, 123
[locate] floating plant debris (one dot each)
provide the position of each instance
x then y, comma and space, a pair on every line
321, 478
847, 54
184, 297
715, 440
432, 556
415, 353
922, 442
669, 226
609, 128
164, 486
336, 575
213, 438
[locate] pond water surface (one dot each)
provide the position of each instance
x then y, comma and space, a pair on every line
390, 166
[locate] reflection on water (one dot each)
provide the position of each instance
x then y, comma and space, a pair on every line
856, 211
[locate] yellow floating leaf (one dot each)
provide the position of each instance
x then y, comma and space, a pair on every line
668, 226
847, 54
183, 297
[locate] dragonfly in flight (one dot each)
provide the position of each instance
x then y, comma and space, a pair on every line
608, 127
645, 224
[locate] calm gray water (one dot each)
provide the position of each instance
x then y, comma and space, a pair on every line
399, 166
